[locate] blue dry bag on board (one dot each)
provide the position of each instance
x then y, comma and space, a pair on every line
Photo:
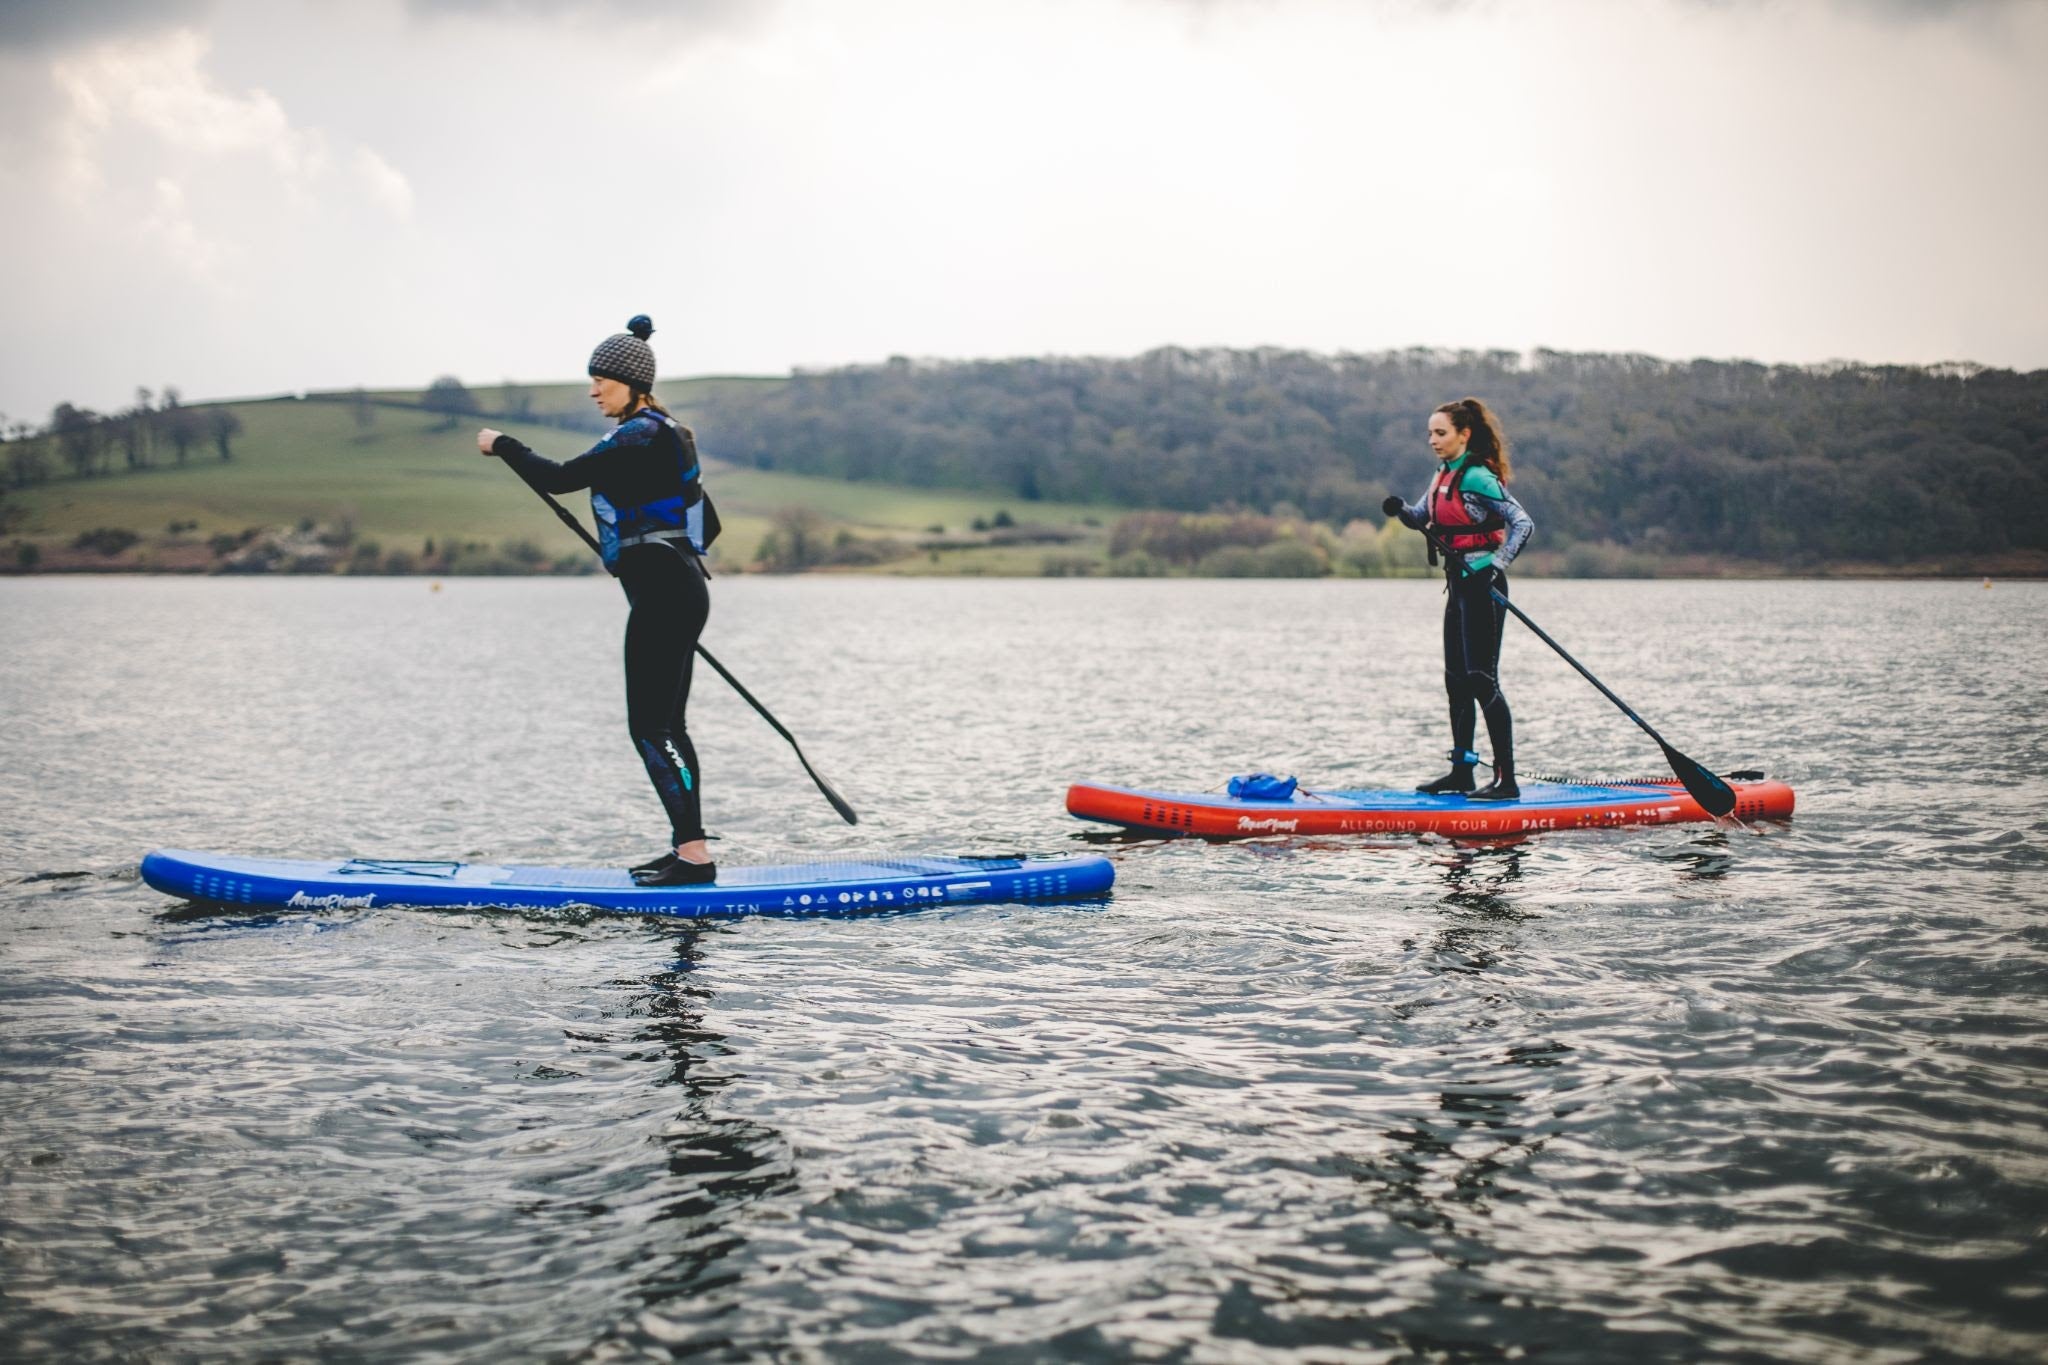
1262, 787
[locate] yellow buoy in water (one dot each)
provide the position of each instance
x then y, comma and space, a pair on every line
1987, 582
436, 587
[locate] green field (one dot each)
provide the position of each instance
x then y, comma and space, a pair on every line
406, 478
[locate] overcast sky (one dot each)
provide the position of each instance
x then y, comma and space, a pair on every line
255, 196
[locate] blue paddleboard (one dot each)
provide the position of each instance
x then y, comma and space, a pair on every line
845, 887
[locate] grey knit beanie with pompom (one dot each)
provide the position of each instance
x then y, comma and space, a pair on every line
626, 356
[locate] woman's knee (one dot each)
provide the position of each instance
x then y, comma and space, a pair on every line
1484, 688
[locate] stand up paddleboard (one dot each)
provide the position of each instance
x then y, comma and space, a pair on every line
848, 887
1543, 806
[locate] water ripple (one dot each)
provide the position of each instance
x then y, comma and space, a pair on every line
1688, 1093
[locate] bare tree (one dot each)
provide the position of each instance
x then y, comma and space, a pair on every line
224, 426
26, 463
145, 421
178, 424
78, 437
449, 397
795, 541
128, 426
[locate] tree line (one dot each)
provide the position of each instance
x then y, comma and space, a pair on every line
449, 397
82, 443
1615, 455
1786, 464
88, 444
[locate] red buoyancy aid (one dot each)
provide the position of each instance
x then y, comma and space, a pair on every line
1448, 517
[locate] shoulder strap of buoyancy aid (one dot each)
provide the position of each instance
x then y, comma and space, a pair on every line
682, 434
695, 500
1492, 521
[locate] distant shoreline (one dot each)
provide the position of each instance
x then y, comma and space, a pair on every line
1687, 572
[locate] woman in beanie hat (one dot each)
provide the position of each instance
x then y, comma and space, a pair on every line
648, 498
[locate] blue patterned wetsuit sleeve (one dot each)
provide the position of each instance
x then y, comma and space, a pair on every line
1520, 527
595, 465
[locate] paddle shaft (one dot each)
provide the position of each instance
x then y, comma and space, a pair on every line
839, 803
1544, 636
1714, 795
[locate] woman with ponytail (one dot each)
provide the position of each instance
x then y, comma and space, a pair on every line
654, 524
1469, 511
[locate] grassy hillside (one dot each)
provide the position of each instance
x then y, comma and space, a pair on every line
402, 477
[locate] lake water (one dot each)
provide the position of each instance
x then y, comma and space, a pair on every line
1679, 1093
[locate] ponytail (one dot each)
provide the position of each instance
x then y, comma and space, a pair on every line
648, 400
1488, 444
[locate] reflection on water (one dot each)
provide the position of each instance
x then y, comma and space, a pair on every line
717, 1164
1442, 1170
1708, 858
1684, 1093
1480, 913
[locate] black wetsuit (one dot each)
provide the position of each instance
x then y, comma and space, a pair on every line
1472, 619
1472, 631
670, 603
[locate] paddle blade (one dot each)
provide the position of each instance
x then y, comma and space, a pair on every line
838, 802
1716, 797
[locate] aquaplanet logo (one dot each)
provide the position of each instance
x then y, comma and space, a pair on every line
1272, 823
301, 901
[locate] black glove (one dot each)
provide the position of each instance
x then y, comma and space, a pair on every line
1392, 506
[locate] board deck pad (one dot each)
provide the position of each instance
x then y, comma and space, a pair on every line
1542, 806
845, 886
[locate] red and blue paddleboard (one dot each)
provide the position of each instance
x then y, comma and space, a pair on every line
849, 886
1542, 806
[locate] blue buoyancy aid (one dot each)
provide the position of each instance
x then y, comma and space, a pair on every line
680, 511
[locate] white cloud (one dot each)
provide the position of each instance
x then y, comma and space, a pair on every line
169, 223
158, 87
145, 130
384, 184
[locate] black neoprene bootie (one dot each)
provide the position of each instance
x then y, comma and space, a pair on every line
658, 864
1502, 788
1458, 779
679, 873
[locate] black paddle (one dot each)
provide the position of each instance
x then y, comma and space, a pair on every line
838, 802
1716, 797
